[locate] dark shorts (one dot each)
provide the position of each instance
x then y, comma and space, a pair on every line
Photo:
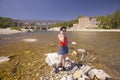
63, 50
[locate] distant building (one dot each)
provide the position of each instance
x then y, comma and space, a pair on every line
86, 22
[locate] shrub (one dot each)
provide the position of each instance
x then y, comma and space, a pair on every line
16, 28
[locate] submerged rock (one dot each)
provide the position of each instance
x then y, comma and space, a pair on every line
30, 40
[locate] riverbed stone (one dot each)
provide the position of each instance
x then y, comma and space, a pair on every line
70, 77
30, 40
77, 75
4, 59
63, 78
85, 68
100, 74
74, 69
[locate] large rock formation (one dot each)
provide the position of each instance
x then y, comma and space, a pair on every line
74, 71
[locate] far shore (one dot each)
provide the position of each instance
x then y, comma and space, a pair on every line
10, 31
99, 30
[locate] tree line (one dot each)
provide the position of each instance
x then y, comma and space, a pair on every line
66, 23
6, 22
111, 21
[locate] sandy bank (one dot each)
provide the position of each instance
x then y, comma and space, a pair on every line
10, 31
100, 30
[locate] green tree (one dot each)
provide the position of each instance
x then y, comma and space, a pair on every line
115, 20
103, 21
66, 23
6, 22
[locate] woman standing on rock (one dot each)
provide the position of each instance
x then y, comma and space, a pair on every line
63, 48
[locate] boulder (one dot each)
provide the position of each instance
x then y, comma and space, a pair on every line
85, 69
100, 74
52, 59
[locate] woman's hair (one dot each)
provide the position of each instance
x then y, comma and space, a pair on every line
62, 28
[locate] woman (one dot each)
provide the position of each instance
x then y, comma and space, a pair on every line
63, 48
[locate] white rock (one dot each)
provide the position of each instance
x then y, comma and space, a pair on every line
73, 43
81, 50
81, 78
67, 58
70, 77
100, 74
85, 68
85, 77
52, 59
77, 74
4, 59
63, 78
51, 78
42, 78
30, 40
74, 53
74, 69
68, 64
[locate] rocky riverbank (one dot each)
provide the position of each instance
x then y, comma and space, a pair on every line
75, 70
11, 31
99, 30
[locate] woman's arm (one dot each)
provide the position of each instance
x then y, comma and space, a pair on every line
61, 37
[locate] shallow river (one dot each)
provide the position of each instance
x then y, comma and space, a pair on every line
105, 45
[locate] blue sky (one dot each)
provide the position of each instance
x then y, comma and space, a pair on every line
56, 9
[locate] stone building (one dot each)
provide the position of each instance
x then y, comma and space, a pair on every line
86, 22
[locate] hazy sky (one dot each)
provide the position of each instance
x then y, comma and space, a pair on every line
56, 9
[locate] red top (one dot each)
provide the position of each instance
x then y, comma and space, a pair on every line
63, 43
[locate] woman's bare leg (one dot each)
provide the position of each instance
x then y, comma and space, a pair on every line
63, 59
60, 61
